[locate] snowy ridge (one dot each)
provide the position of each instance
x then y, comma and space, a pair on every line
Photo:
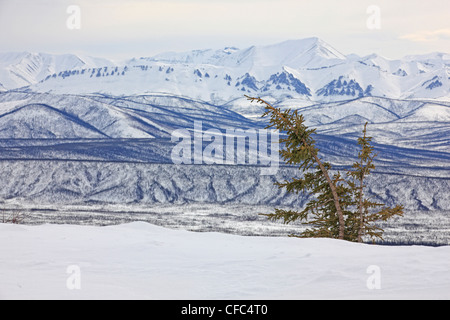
18, 69
414, 124
25, 116
106, 182
314, 71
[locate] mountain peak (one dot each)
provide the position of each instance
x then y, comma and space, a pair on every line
299, 54
314, 44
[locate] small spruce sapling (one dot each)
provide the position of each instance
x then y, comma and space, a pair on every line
366, 216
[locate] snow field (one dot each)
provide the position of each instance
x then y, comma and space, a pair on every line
143, 261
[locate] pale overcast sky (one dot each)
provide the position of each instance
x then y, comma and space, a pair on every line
133, 28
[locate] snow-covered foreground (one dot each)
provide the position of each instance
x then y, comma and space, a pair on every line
143, 261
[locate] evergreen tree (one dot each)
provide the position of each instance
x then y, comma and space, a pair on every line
339, 208
365, 217
300, 150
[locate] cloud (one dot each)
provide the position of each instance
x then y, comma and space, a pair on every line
428, 36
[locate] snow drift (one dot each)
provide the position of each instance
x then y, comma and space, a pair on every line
142, 261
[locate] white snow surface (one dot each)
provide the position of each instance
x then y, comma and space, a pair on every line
143, 261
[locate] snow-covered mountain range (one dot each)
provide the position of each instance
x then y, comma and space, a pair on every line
307, 69
83, 130
63, 148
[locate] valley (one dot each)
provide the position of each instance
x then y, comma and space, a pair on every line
89, 141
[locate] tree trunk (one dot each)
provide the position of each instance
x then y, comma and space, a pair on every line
361, 213
337, 203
